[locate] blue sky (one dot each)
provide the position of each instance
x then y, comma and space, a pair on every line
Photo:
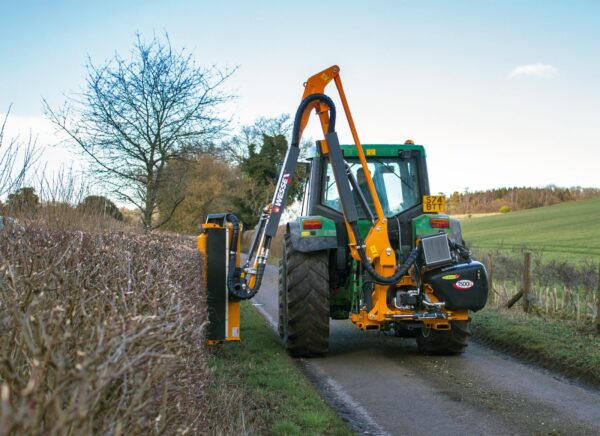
436, 72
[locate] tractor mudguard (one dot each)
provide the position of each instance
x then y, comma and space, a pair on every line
422, 227
311, 243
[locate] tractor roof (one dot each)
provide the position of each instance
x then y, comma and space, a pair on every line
381, 150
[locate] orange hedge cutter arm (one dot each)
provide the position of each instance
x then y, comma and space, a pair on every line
376, 249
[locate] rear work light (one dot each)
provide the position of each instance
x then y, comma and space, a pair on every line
440, 223
312, 224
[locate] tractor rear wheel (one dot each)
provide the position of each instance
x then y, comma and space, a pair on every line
304, 301
445, 342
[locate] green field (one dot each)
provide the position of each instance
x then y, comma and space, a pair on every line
566, 231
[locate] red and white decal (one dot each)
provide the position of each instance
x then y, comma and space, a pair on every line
463, 284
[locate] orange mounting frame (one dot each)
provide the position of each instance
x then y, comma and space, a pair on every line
377, 244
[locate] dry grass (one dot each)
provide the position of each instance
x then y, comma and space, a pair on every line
559, 289
100, 333
63, 216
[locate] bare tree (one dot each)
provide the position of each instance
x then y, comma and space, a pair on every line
16, 159
236, 148
137, 114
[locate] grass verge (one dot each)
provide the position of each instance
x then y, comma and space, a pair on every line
552, 344
274, 395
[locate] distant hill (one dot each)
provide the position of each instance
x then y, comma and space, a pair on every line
513, 199
568, 231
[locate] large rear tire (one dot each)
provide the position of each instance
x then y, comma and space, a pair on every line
445, 342
304, 301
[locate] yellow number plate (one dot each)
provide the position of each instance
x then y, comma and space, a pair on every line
434, 203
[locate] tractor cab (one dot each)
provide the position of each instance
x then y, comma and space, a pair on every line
399, 173
396, 175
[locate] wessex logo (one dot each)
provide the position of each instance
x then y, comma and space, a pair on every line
285, 180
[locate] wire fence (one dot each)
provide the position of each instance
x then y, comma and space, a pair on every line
553, 288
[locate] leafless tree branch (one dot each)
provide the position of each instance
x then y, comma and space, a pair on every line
16, 159
137, 114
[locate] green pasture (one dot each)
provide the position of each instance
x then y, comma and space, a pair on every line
566, 231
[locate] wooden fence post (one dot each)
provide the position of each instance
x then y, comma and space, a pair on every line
492, 297
526, 279
598, 302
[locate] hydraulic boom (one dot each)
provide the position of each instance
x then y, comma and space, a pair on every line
375, 252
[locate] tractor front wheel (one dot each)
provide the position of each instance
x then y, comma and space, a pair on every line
445, 342
304, 301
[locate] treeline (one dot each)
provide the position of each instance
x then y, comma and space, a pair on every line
26, 202
237, 175
164, 146
517, 198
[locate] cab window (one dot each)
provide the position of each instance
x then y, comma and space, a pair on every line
395, 180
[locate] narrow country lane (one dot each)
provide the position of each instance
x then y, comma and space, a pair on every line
381, 384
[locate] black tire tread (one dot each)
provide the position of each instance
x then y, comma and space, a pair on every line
304, 326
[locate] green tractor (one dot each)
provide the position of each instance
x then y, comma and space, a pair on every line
319, 279
372, 245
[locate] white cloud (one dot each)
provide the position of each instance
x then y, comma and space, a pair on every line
533, 70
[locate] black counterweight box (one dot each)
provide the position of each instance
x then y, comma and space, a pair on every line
461, 286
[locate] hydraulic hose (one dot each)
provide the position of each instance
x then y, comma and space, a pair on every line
236, 285
359, 244
393, 279
260, 271
300, 112
463, 251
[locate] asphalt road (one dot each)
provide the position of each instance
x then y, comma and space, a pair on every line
381, 385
